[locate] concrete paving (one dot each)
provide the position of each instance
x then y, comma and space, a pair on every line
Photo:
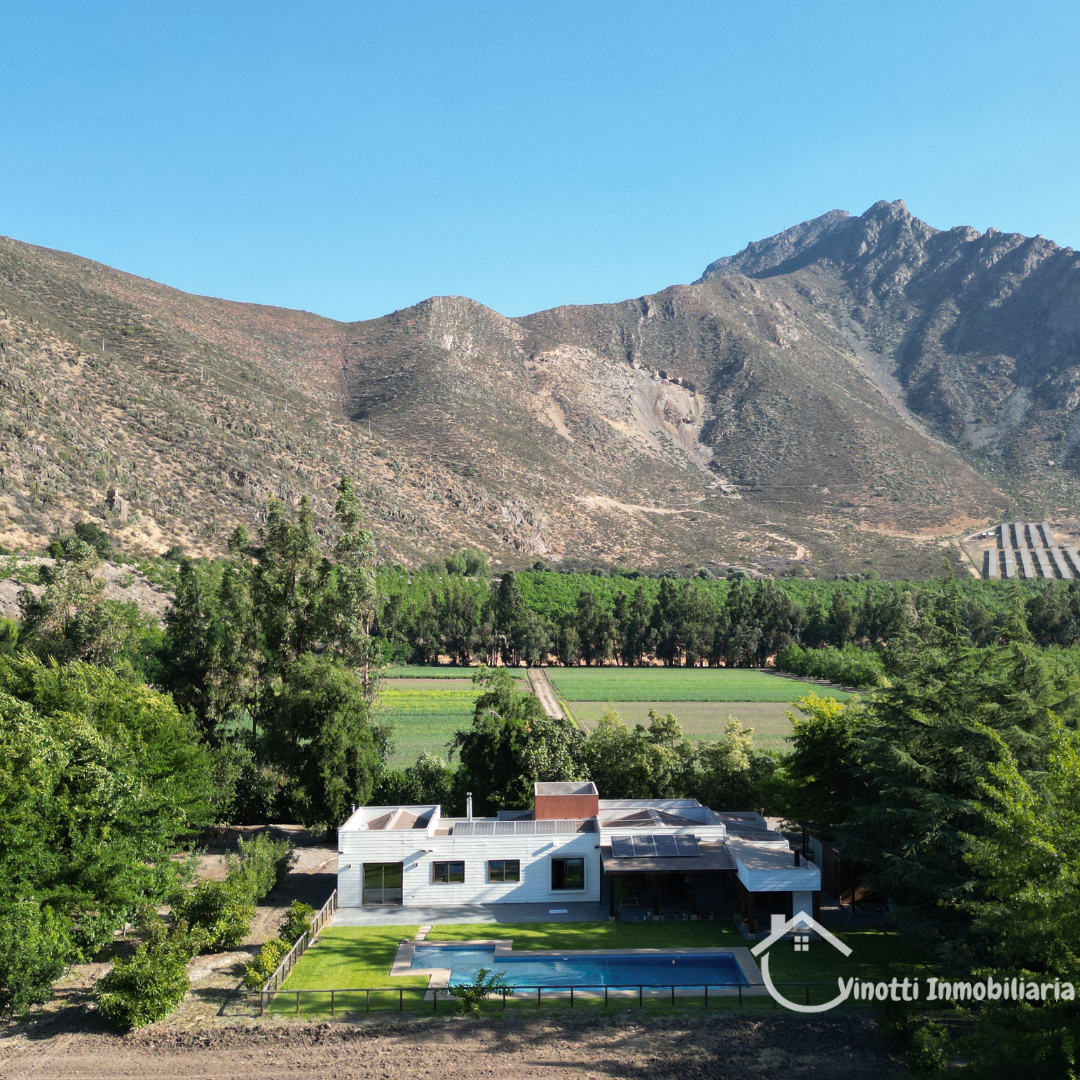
469, 913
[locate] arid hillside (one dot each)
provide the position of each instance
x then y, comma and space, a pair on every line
856, 392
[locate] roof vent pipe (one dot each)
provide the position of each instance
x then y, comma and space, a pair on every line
468, 805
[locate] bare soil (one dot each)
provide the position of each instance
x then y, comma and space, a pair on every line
681, 1047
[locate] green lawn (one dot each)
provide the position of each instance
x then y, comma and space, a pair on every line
680, 684
344, 957
597, 935
701, 720
425, 719
349, 957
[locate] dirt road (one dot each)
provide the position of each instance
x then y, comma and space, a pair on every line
617, 1047
543, 689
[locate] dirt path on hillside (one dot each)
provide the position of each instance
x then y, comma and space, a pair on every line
616, 1047
543, 689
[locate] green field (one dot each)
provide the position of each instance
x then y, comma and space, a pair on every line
680, 684
439, 671
701, 720
424, 718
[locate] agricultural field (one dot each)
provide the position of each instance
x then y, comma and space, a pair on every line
680, 684
701, 721
701, 699
427, 706
425, 715
439, 671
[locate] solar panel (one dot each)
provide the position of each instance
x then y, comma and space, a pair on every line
654, 846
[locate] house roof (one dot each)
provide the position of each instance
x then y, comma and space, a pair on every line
710, 857
646, 817
770, 867
521, 827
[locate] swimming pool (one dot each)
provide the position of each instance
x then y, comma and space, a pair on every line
568, 969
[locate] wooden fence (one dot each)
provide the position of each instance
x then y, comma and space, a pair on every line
306, 939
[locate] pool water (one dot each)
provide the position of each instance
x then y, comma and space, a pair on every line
557, 969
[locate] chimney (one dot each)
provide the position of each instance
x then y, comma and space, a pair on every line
468, 805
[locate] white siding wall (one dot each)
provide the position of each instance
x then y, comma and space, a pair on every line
408, 847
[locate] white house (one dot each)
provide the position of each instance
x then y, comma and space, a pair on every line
638, 856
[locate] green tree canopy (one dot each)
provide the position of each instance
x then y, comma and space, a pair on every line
512, 744
320, 732
925, 750
100, 778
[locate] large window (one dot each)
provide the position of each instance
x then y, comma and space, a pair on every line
568, 873
448, 873
504, 870
382, 883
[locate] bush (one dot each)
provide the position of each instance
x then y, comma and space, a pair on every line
923, 1044
484, 984
249, 790
929, 1052
849, 666
33, 954
258, 970
297, 922
145, 987
222, 910
94, 536
260, 865
9, 636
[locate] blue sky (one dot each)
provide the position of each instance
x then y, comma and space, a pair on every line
355, 158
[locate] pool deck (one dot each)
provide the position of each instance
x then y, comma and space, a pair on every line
439, 978
470, 913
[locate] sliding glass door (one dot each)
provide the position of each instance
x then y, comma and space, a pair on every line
382, 883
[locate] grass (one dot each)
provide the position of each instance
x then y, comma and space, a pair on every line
425, 719
876, 954
352, 956
349, 957
701, 720
597, 935
680, 684
438, 671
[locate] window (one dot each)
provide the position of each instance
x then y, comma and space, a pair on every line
382, 883
448, 873
504, 870
568, 873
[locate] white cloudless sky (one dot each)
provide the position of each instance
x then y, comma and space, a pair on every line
353, 158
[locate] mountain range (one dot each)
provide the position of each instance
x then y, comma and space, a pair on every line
855, 393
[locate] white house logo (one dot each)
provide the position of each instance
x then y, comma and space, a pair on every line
800, 921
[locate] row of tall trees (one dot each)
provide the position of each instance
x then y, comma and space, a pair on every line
271, 651
677, 621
